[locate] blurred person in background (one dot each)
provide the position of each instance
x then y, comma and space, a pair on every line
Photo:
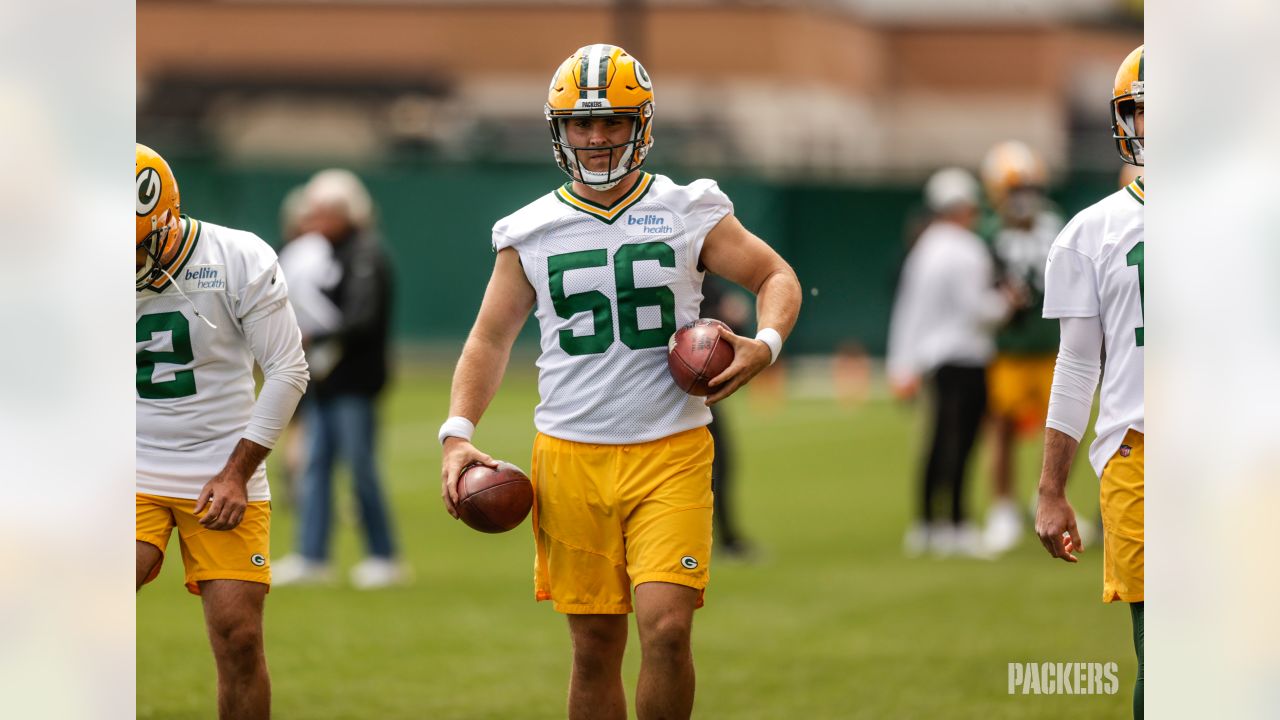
1095, 287
1020, 230
210, 303
341, 408
307, 261
721, 303
945, 317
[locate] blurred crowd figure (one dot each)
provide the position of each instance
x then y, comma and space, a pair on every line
340, 278
1020, 227
719, 302
949, 306
306, 259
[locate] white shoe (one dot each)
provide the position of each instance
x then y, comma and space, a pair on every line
1004, 527
298, 570
916, 542
942, 539
373, 573
968, 542
1090, 533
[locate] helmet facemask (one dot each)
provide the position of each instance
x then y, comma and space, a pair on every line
1124, 125
635, 149
155, 246
1023, 203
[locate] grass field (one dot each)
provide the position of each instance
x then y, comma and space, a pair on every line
833, 622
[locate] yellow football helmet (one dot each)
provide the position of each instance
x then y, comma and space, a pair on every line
600, 80
1010, 165
159, 231
1015, 179
1126, 98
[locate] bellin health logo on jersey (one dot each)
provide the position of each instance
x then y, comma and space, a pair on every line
204, 277
649, 224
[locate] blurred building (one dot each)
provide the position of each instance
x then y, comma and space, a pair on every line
865, 89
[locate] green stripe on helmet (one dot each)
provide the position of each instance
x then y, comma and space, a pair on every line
604, 71
1142, 61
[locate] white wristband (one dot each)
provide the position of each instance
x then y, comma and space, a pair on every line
770, 337
456, 426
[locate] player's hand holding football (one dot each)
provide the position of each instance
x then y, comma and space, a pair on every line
225, 498
1056, 526
458, 454
750, 356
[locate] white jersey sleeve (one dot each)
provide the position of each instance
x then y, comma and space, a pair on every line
703, 205
259, 285
1071, 284
276, 343
1095, 269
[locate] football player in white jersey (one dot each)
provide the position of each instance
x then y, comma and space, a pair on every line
1094, 284
1020, 228
612, 264
211, 301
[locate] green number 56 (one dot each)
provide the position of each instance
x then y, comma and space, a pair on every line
630, 299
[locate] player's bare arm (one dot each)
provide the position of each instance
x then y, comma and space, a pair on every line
226, 495
736, 254
1055, 518
507, 302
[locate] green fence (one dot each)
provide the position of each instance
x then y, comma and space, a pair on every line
846, 242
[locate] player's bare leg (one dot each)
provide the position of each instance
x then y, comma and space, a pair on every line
664, 614
1003, 431
147, 555
595, 687
233, 615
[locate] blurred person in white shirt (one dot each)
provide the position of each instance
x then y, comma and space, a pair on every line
942, 332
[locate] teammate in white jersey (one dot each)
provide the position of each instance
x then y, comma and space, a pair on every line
612, 263
210, 302
1021, 228
1094, 283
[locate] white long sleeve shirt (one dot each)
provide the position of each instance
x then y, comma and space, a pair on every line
947, 310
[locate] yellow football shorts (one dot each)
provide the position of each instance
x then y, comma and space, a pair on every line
1018, 387
237, 554
1121, 501
609, 517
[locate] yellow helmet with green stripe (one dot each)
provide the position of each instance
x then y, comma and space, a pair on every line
1127, 97
157, 215
601, 80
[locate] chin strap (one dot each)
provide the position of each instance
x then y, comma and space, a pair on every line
178, 287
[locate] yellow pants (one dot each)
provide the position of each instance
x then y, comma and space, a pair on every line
1018, 388
609, 517
237, 554
1123, 517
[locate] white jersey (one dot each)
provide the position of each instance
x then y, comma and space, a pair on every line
195, 385
1096, 269
612, 286
1024, 252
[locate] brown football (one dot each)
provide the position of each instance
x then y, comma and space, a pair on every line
494, 500
696, 353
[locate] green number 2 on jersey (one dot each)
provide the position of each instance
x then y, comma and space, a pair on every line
184, 381
630, 299
1134, 257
